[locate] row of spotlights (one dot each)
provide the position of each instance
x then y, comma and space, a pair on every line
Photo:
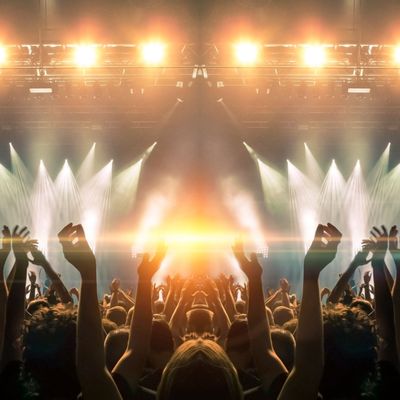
86, 55
153, 53
315, 56
247, 53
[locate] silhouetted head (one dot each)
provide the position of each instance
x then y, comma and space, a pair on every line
158, 307
238, 345
199, 321
282, 314
117, 315
37, 304
49, 343
364, 305
350, 351
240, 307
198, 370
115, 346
161, 344
284, 346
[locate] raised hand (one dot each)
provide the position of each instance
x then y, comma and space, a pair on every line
252, 267
361, 258
38, 258
393, 239
147, 267
212, 290
378, 243
323, 249
367, 277
21, 244
76, 248
6, 242
394, 245
187, 291
32, 277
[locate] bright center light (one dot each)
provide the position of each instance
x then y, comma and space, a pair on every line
3, 55
153, 52
397, 54
85, 55
246, 52
314, 56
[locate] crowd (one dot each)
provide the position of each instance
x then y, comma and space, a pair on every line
202, 337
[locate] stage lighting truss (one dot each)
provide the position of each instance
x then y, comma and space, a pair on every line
356, 69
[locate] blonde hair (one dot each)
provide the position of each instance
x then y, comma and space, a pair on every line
199, 369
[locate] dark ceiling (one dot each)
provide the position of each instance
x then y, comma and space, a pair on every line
272, 20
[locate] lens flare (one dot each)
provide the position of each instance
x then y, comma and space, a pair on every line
153, 53
246, 53
85, 55
314, 56
396, 55
3, 55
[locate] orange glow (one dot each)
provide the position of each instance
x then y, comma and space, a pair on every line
193, 236
153, 53
85, 55
397, 54
314, 56
246, 52
3, 55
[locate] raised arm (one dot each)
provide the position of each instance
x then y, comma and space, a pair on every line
96, 381
15, 309
220, 315
267, 363
269, 302
170, 303
4, 252
178, 319
304, 379
33, 286
285, 290
395, 252
229, 300
378, 244
130, 366
366, 285
359, 259
57, 284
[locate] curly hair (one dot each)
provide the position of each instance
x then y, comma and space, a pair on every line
49, 343
350, 351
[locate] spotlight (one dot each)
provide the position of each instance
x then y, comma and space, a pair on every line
85, 55
3, 55
153, 53
246, 53
314, 56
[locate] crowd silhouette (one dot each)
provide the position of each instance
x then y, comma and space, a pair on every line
201, 337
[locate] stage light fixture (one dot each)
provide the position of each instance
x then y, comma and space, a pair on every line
246, 53
3, 55
314, 56
85, 55
153, 53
